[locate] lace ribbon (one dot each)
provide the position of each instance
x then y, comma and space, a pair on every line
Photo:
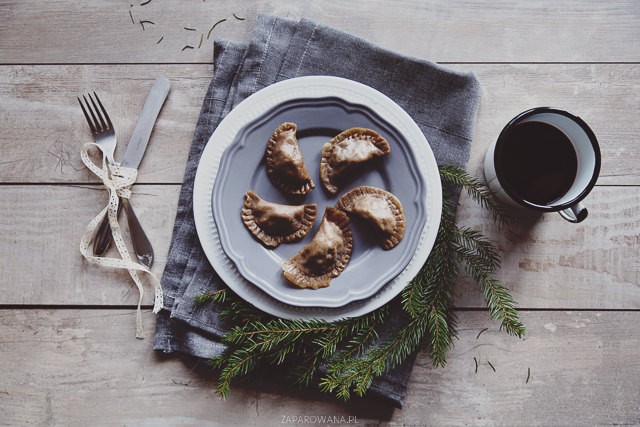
118, 180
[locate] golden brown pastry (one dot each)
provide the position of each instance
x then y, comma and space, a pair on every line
273, 223
326, 256
285, 165
344, 153
379, 208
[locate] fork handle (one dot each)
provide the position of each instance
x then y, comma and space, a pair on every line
141, 244
103, 237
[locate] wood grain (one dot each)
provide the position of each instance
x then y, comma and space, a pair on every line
503, 31
44, 129
37, 146
69, 365
602, 95
41, 227
547, 262
83, 367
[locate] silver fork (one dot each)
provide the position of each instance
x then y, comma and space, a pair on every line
101, 127
104, 135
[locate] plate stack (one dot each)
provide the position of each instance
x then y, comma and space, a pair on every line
233, 163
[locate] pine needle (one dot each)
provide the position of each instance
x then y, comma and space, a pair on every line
214, 25
480, 333
211, 297
142, 22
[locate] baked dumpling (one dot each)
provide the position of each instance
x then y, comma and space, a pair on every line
326, 256
273, 223
345, 152
285, 165
379, 208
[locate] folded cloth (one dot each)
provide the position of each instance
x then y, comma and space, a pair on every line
442, 102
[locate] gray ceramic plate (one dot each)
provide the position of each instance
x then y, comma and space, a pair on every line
242, 168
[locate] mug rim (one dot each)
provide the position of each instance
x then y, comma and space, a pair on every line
509, 189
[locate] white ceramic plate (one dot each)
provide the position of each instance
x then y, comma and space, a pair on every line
315, 90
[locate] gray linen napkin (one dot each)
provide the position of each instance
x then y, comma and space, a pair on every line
443, 103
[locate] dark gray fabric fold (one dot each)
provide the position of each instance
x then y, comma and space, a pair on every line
443, 103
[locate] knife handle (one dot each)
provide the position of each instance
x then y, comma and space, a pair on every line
141, 244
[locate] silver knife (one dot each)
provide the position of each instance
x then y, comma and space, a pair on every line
144, 126
132, 158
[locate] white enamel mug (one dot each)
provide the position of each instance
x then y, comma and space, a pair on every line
583, 140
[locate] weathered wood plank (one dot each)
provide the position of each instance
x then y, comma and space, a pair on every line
41, 228
63, 367
44, 128
548, 263
602, 95
104, 32
37, 146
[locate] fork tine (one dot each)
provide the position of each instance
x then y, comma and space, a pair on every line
104, 111
104, 125
86, 116
96, 124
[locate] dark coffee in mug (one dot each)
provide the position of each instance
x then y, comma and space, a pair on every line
539, 162
545, 159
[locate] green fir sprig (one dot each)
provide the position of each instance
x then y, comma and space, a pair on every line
345, 356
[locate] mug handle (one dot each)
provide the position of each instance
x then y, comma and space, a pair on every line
576, 213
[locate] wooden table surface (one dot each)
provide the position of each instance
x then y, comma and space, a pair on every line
68, 355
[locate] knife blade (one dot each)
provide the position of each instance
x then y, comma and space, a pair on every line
142, 131
132, 158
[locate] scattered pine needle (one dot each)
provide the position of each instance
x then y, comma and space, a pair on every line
528, 375
158, 42
133, 21
480, 333
200, 44
490, 364
237, 17
476, 360
142, 22
145, 2
189, 28
187, 47
214, 25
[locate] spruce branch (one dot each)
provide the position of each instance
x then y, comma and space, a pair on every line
358, 373
236, 309
474, 247
273, 341
481, 260
478, 190
304, 371
429, 295
211, 297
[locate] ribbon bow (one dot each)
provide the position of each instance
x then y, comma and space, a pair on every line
118, 180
